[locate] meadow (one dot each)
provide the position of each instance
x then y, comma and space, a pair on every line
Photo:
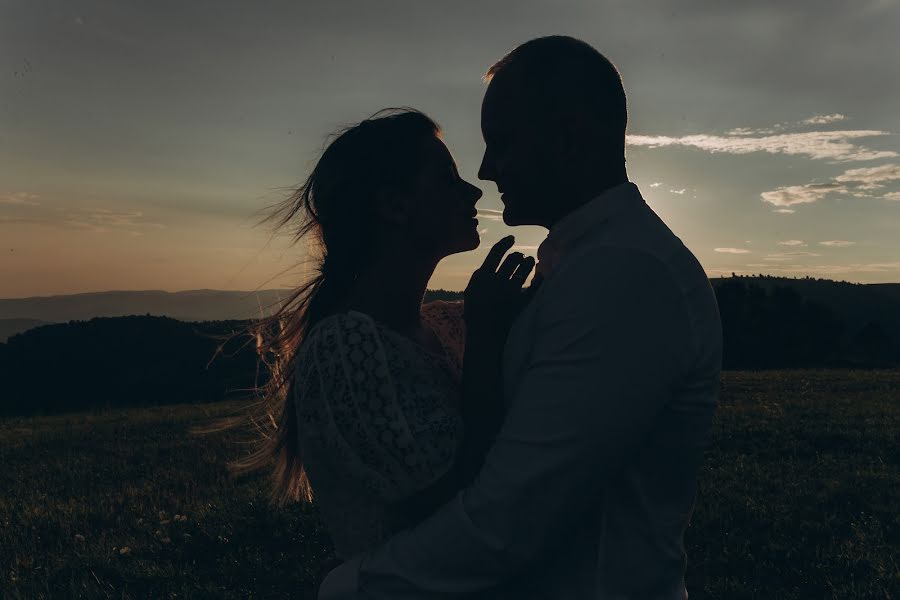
798, 499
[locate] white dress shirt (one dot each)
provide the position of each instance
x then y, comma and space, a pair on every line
611, 377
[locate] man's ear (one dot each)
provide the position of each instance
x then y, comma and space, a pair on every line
586, 141
572, 128
392, 206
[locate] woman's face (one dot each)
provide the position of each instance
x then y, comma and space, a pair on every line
442, 212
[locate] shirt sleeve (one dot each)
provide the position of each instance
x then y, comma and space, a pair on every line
607, 344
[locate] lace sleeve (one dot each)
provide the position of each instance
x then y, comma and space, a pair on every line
374, 420
446, 319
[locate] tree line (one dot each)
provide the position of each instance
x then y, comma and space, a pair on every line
148, 360
775, 327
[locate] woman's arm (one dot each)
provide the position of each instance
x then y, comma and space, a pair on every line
493, 300
482, 400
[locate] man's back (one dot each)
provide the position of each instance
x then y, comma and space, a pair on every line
630, 544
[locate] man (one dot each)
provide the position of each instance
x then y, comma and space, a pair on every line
611, 373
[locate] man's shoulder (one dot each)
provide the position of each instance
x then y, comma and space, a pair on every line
596, 266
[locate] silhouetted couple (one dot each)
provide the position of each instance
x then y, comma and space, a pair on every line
529, 442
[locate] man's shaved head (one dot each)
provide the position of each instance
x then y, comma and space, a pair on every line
561, 73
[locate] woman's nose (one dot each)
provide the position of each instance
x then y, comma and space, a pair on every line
476, 192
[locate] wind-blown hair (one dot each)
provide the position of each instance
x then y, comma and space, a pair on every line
335, 210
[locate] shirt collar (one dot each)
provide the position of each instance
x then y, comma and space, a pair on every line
584, 219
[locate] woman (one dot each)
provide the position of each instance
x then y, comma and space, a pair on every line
386, 405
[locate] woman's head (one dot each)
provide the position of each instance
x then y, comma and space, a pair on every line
387, 184
388, 180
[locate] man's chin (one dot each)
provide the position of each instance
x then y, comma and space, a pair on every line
511, 218
517, 218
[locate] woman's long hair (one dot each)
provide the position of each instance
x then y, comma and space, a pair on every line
335, 210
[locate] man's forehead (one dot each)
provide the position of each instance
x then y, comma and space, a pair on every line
502, 87
501, 101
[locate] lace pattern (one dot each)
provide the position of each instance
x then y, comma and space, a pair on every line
378, 418
446, 320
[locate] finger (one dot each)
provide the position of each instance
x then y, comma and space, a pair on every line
509, 265
524, 270
496, 253
537, 281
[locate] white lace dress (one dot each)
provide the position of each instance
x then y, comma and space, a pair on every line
378, 418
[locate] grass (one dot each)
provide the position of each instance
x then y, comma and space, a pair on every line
798, 499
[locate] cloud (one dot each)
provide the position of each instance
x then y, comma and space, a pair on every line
747, 131
679, 192
732, 250
19, 199
823, 119
95, 220
820, 145
778, 127
789, 255
801, 194
786, 211
5, 219
870, 177
490, 214
656, 184
101, 220
85, 226
837, 243
792, 243
853, 181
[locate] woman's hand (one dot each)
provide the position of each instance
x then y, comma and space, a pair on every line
494, 295
493, 300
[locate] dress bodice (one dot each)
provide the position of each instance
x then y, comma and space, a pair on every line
378, 418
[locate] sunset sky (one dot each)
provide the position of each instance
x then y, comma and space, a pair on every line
138, 138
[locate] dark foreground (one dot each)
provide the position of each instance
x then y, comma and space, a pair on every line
798, 499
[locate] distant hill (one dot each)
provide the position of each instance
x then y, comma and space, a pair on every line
10, 327
90, 362
125, 361
192, 305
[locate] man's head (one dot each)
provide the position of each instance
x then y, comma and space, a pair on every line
553, 115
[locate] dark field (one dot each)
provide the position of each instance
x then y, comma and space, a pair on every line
799, 499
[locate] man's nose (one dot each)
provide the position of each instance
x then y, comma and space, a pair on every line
486, 170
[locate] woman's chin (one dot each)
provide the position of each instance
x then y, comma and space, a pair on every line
474, 241
467, 244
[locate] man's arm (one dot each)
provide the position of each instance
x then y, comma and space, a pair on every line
606, 352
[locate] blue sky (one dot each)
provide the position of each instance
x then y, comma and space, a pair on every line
137, 139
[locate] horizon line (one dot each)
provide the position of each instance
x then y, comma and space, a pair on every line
437, 289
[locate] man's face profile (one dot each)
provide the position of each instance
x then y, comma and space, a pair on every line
518, 155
